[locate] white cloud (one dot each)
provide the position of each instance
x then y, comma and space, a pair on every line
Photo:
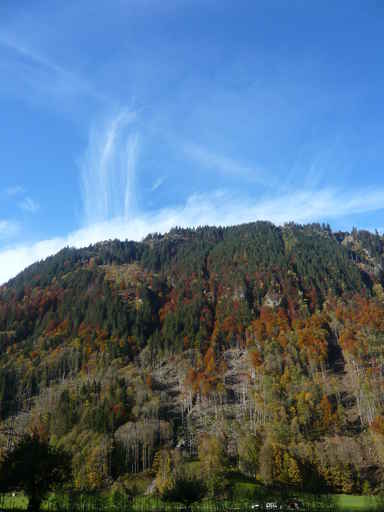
28, 53
14, 191
108, 169
225, 165
29, 205
8, 229
157, 184
219, 208
46, 75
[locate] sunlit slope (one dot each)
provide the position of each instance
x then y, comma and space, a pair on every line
267, 335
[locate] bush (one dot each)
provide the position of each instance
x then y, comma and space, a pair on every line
186, 490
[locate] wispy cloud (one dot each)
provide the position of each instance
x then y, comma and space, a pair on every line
8, 229
14, 191
17, 194
157, 184
45, 74
29, 205
225, 165
108, 169
219, 208
29, 54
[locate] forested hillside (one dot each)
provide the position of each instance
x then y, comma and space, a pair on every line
252, 347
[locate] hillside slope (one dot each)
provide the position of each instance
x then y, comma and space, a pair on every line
268, 339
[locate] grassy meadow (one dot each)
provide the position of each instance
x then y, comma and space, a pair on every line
241, 501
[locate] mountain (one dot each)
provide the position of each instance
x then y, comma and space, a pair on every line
263, 342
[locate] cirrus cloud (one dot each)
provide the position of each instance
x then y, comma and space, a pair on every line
29, 205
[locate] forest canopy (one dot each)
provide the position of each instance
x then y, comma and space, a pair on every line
261, 344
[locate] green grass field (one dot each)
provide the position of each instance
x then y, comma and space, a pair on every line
9, 502
363, 503
244, 494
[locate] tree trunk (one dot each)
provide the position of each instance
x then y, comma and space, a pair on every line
34, 503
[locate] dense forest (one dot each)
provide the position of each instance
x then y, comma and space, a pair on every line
254, 347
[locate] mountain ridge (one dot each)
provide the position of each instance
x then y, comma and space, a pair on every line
273, 334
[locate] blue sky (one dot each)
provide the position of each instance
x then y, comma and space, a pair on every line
123, 117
